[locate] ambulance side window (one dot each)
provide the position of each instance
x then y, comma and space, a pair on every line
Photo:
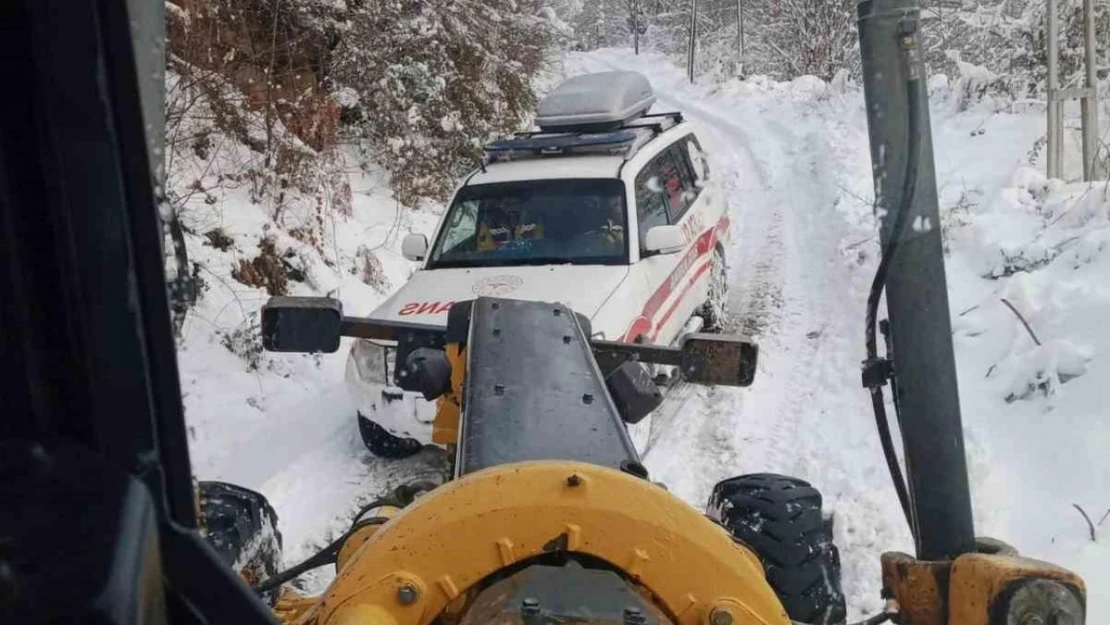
651, 195
698, 159
682, 181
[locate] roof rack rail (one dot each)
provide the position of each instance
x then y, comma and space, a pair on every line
674, 117
624, 140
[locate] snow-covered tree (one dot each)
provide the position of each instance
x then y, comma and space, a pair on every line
432, 81
788, 38
800, 37
246, 108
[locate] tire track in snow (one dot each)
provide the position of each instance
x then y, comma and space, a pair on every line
755, 295
692, 433
834, 440
755, 303
806, 414
715, 433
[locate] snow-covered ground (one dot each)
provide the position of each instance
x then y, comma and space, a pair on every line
797, 169
283, 423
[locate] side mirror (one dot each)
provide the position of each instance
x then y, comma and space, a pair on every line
302, 324
414, 247
664, 240
718, 359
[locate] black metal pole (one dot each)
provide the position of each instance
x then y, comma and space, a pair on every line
636, 25
916, 289
693, 43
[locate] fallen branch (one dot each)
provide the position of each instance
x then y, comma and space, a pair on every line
1090, 525
967, 310
852, 246
1025, 323
1103, 517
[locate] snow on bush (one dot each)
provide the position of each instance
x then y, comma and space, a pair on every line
1089, 247
1043, 370
974, 85
371, 272
1033, 236
938, 85
247, 116
245, 341
1030, 223
809, 87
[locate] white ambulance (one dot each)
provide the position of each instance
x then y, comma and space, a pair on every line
606, 208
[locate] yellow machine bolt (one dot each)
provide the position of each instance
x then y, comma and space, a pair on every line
407, 594
720, 616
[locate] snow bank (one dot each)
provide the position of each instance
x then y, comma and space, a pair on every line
1031, 252
231, 386
283, 423
1043, 370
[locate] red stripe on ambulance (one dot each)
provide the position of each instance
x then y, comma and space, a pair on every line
645, 324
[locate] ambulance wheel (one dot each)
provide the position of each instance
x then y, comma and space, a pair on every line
385, 445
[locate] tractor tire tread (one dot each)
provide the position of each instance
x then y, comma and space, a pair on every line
780, 519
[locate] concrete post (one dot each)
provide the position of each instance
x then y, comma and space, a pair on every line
1054, 136
1091, 168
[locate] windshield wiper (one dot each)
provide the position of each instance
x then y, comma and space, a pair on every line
550, 260
529, 261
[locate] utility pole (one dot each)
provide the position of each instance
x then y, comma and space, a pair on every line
740, 35
1091, 168
1088, 96
634, 18
1054, 137
693, 39
924, 365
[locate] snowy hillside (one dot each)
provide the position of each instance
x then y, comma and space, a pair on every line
798, 175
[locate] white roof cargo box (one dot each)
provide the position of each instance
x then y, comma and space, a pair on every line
595, 101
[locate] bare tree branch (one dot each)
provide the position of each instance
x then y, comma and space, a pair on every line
1090, 526
1023, 321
